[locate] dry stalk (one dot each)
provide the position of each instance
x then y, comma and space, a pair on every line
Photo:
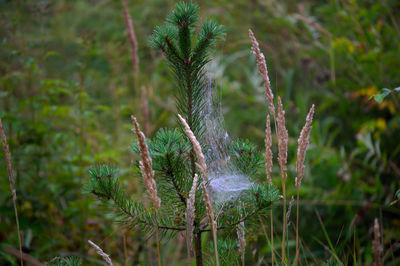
130, 32
213, 223
190, 215
272, 237
268, 151
124, 242
289, 211
99, 251
301, 155
262, 68
146, 165
148, 177
196, 147
241, 240
302, 147
282, 159
268, 168
376, 244
282, 140
12, 185
16, 253
145, 111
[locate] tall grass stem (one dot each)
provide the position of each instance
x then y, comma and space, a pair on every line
12, 184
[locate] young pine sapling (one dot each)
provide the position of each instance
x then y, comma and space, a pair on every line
180, 170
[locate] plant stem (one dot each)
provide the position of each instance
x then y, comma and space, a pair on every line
130, 32
214, 232
124, 237
12, 184
197, 247
284, 221
297, 229
157, 240
272, 239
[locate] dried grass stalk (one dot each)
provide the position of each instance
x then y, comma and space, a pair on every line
190, 215
241, 240
301, 155
12, 185
130, 32
145, 111
213, 223
268, 168
132, 39
302, 148
148, 176
196, 147
282, 140
376, 244
268, 151
99, 251
289, 211
282, 159
263, 70
146, 165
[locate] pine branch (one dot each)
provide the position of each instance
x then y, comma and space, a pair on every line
173, 179
106, 187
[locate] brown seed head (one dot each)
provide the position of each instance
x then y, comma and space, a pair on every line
263, 70
190, 213
146, 165
268, 151
376, 244
282, 140
196, 147
302, 146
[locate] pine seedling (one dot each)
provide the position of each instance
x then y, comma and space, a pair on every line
178, 167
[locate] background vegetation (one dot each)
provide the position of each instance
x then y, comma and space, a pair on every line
67, 90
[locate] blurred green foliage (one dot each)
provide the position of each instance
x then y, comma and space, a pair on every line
67, 90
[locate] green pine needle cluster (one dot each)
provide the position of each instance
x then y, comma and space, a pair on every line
246, 158
169, 150
65, 261
105, 185
187, 50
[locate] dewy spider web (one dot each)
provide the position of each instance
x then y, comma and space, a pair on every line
226, 182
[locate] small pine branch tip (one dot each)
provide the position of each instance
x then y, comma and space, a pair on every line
184, 15
187, 59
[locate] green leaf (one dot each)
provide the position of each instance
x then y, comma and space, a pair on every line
380, 97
